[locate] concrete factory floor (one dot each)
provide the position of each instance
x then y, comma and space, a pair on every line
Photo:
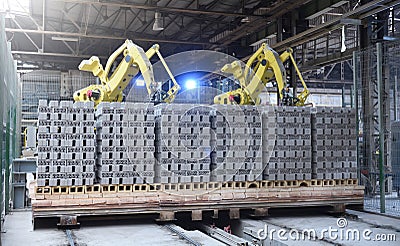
19, 231
355, 228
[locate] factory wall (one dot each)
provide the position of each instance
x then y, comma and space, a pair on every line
10, 134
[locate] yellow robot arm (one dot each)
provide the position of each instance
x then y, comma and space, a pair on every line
111, 87
302, 97
263, 66
254, 78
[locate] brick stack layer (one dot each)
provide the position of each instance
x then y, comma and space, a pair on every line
66, 144
125, 143
236, 143
182, 143
334, 143
291, 155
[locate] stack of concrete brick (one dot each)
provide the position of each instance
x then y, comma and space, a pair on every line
66, 144
291, 157
236, 143
334, 143
182, 143
125, 143
268, 138
139, 138
110, 143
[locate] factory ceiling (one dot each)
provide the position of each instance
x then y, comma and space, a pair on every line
63, 32
58, 34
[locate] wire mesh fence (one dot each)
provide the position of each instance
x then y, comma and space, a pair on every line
375, 73
49, 85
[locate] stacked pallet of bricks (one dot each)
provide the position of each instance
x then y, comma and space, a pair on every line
291, 157
236, 143
66, 143
334, 143
182, 143
188, 143
125, 143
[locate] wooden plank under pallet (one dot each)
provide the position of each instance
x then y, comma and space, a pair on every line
168, 199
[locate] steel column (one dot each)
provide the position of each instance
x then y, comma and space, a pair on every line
395, 107
355, 79
343, 97
381, 120
2, 68
7, 164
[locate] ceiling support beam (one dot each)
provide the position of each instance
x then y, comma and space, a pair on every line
81, 35
330, 70
92, 42
159, 8
28, 14
69, 47
133, 19
334, 24
211, 5
63, 41
26, 34
332, 58
52, 54
258, 23
71, 20
43, 22
173, 20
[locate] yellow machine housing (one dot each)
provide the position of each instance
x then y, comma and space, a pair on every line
111, 86
262, 67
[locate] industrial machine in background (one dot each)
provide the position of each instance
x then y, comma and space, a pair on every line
263, 67
29, 146
112, 84
30, 137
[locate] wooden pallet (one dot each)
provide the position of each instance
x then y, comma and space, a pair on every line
168, 199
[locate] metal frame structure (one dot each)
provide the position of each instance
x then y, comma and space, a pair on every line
375, 76
82, 26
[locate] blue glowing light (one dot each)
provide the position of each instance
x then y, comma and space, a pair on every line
190, 84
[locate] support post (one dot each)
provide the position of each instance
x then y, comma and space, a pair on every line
355, 100
381, 120
7, 165
351, 97
395, 102
343, 97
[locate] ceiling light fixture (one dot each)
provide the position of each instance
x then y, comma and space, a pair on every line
245, 20
8, 15
64, 39
343, 48
158, 25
